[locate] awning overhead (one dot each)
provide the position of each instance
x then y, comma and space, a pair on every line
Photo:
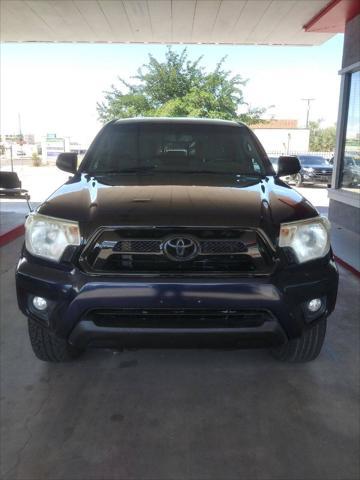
162, 21
334, 16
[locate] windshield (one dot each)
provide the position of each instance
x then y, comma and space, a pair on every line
178, 148
313, 161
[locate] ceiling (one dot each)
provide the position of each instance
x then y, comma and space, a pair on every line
264, 22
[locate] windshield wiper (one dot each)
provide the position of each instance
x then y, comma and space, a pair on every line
125, 170
239, 174
153, 168
140, 169
251, 174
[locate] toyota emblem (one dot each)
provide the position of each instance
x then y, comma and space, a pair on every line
180, 249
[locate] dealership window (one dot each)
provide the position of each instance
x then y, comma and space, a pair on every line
350, 169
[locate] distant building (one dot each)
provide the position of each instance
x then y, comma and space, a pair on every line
29, 138
52, 146
20, 139
278, 124
282, 136
78, 147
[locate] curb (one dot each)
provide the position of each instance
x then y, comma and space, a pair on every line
347, 266
11, 235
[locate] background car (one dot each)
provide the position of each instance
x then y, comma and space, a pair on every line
351, 171
314, 169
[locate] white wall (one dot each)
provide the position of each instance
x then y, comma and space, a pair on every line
283, 140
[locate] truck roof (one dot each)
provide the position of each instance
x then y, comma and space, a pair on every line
179, 120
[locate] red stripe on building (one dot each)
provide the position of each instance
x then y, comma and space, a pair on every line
333, 18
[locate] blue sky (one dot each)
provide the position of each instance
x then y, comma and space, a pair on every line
55, 87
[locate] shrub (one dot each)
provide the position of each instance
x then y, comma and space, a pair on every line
36, 160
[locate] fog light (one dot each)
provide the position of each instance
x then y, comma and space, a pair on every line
40, 303
314, 305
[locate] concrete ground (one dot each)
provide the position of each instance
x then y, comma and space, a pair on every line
183, 414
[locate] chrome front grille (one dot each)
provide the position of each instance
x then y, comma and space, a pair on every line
325, 172
137, 246
154, 247
223, 247
121, 251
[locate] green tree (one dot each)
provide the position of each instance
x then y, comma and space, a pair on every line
179, 87
321, 139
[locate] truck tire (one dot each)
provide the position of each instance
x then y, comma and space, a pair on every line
48, 347
304, 348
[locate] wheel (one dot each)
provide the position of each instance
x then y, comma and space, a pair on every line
298, 180
305, 348
48, 347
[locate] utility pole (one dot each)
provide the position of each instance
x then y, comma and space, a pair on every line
11, 158
20, 132
21, 138
308, 100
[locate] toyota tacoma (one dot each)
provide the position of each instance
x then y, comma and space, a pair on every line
176, 232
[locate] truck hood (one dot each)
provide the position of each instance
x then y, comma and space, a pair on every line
148, 200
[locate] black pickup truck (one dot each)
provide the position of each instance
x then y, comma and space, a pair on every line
176, 232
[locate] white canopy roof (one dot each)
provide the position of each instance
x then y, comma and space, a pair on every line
252, 22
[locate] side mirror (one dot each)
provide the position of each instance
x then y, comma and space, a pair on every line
288, 166
67, 162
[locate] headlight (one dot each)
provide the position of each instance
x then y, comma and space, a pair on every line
309, 239
48, 237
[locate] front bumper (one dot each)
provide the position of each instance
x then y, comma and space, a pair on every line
74, 295
309, 177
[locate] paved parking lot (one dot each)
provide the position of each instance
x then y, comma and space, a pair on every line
181, 414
